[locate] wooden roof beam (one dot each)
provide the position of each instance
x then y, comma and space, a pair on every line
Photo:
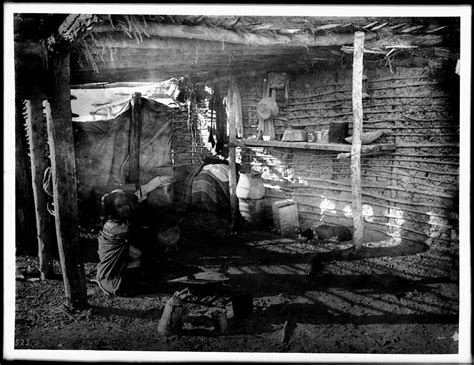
119, 53
194, 62
117, 43
230, 36
163, 74
420, 40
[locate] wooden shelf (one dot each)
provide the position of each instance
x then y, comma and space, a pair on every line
336, 147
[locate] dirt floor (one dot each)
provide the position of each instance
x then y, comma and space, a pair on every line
376, 305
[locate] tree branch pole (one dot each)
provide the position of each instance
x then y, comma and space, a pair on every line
231, 118
38, 138
356, 141
63, 163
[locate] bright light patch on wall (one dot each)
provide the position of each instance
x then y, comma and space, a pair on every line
396, 222
396, 215
368, 212
327, 206
263, 163
302, 182
348, 211
436, 225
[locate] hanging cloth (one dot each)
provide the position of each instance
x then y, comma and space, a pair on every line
269, 127
267, 109
234, 108
261, 121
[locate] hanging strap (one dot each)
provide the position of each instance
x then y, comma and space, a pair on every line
211, 134
134, 140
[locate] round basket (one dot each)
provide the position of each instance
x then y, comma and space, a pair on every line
267, 108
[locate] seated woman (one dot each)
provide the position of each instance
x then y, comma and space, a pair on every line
119, 259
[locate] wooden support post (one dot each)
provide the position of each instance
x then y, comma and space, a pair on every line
38, 138
221, 129
234, 206
134, 140
26, 241
356, 142
63, 163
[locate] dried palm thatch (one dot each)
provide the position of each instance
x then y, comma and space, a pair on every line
267, 37
137, 26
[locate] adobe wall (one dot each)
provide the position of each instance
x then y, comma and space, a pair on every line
410, 194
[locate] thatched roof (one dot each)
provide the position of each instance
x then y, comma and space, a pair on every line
112, 48
287, 25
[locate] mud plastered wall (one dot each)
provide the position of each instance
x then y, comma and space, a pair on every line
408, 195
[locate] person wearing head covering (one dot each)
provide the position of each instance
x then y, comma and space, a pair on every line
119, 259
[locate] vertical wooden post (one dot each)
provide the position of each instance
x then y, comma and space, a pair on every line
232, 167
134, 139
356, 142
38, 138
24, 202
63, 163
221, 129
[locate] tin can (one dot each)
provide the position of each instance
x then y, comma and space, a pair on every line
325, 136
318, 137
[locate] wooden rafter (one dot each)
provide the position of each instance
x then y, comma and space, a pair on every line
230, 36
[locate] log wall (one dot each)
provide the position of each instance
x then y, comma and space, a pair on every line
410, 194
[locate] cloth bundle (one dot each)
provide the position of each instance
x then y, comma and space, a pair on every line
210, 188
